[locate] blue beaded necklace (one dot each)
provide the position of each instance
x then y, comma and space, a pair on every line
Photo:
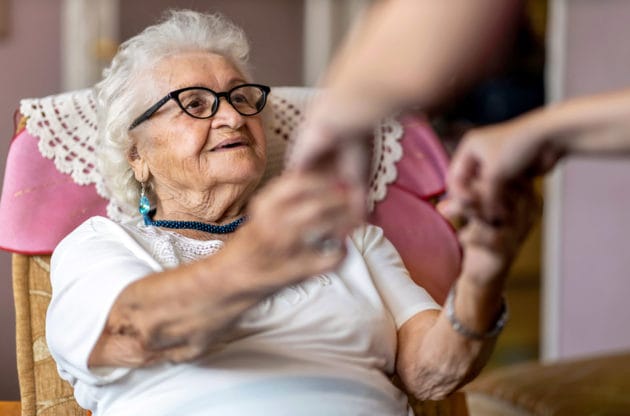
147, 214
195, 225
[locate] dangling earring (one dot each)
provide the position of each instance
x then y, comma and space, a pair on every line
144, 206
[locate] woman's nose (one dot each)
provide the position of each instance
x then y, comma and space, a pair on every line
227, 115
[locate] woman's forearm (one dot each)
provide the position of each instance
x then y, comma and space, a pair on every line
177, 314
438, 357
590, 125
443, 359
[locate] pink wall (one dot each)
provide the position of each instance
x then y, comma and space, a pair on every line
31, 57
598, 47
31, 67
594, 285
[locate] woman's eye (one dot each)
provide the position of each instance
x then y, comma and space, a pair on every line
239, 99
195, 105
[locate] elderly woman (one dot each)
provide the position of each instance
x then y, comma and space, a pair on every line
219, 301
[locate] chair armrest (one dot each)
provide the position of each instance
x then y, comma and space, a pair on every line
592, 385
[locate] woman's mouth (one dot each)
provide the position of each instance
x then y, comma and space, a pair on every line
229, 144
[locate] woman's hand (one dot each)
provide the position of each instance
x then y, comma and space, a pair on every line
490, 162
345, 155
490, 247
296, 228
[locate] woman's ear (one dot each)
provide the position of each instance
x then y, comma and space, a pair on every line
138, 165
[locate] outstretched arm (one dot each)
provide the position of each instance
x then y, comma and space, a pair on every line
490, 160
404, 52
438, 353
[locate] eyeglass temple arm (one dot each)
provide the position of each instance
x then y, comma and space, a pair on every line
145, 116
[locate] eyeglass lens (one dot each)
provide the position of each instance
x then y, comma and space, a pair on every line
201, 103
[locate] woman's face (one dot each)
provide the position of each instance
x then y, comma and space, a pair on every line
187, 158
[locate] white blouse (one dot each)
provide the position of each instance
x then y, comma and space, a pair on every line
326, 346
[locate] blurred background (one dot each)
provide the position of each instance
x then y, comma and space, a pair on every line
569, 287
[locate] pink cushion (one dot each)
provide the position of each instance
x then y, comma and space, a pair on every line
39, 204
425, 241
422, 169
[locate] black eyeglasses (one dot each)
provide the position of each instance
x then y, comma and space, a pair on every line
200, 102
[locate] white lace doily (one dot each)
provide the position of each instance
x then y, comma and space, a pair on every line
66, 125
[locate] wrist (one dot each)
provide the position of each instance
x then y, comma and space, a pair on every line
476, 311
475, 330
559, 127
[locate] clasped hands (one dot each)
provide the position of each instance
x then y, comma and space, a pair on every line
492, 216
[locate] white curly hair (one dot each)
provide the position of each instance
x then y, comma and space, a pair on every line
123, 94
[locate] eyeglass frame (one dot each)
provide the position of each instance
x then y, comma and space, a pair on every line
174, 95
